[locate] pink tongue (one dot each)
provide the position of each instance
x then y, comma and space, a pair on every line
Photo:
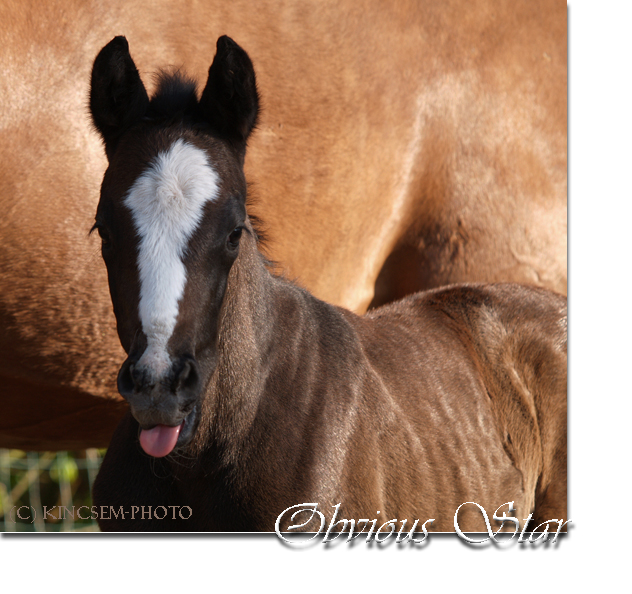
160, 440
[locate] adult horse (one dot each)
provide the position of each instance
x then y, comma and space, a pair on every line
400, 147
249, 396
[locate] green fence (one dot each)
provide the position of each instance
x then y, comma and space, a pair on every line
47, 491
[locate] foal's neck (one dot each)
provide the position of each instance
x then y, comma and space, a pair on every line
271, 386
246, 333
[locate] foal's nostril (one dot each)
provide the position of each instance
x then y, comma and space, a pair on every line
184, 379
127, 379
188, 378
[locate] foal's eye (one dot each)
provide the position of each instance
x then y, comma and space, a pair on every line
233, 238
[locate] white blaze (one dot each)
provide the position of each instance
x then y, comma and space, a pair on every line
167, 204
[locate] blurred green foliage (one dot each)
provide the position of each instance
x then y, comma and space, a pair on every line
33, 481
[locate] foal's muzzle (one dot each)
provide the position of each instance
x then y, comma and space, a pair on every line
183, 378
162, 403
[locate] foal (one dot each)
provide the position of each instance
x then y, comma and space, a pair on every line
248, 395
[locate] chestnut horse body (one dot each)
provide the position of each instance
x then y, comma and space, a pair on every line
249, 396
401, 147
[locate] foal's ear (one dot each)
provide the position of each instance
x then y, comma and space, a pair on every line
117, 95
230, 102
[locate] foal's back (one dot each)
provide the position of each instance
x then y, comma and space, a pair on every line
468, 386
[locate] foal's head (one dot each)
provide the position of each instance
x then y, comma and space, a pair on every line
171, 215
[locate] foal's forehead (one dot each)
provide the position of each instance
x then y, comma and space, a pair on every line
177, 165
173, 190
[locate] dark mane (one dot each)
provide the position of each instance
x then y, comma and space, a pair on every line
175, 96
260, 230
258, 225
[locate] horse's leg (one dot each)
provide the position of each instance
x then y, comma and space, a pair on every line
551, 494
133, 491
550, 502
545, 370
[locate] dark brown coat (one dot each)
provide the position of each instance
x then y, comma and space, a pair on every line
453, 395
